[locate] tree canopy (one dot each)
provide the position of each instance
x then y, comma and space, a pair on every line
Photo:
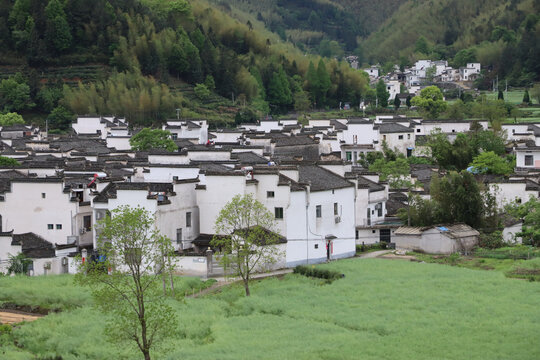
430, 102
246, 235
148, 139
10, 118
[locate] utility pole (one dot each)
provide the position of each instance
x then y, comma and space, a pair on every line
178, 114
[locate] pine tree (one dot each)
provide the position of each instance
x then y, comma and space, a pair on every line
408, 101
501, 95
397, 102
382, 94
526, 98
279, 92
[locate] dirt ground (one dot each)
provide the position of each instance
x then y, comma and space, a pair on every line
14, 316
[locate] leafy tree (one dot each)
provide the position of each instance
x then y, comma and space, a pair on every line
422, 46
48, 98
529, 212
15, 94
126, 284
301, 101
7, 161
430, 101
148, 139
491, 163
493, 111
11, 119
456, 111
382, 94
463, 57
526, 97
209, 82
60, 118
201, 91
279, 92
245, 231
459, 198
397, 103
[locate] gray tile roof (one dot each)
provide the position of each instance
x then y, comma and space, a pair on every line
321, 179
388, 128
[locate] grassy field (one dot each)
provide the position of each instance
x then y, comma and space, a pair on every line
382, 309
513, 96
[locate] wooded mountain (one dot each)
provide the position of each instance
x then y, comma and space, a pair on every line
146, 50
504, 35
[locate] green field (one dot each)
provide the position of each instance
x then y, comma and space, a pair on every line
382, 309
513, 96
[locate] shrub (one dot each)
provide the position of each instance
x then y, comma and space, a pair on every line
371, 247
491, 241
317, 273
529, 270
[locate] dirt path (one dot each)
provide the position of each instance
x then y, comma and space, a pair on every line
222, 281
13, 316
373, 254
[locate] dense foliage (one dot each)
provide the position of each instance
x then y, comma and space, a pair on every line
147, 50
503, 35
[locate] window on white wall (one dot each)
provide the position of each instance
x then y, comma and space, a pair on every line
336, 212
270, 194
58, 226
43, 195
529, 160
400, 137
50, 226
188, 219
318, 211
278, 212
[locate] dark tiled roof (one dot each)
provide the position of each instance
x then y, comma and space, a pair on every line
34, 246
338, 125
321, 179
295, 141
249, 158
388, 128
364, 183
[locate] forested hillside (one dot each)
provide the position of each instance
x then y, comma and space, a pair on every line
330, 28
140, 54
501, 34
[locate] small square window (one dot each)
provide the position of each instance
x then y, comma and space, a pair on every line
278, 212
58, 226
417, 130
373, 231
270, 194
318, 211
316, 246
43, 195
409, 136
50, 226
529, 160
400, 137
188, 219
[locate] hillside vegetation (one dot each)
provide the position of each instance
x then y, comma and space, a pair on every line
139, 57
501, 34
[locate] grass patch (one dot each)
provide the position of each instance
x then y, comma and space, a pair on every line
529, 270
371, 247
381, 310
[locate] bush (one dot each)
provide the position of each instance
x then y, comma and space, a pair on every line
317, 273
491, 241
509, 252
371, 247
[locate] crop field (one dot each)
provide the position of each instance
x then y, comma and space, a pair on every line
512, 96
381, 309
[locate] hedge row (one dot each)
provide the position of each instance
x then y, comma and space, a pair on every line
317, 273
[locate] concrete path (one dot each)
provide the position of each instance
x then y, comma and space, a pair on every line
373, 254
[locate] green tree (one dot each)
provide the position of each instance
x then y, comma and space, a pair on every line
7, 161
15, 94
312, 81
148, 139
324, 83
430, 101
201, 91
463, 57
301, 101
408, 101
530, 213
382, 94
11, 119
459, 198
60, 118
491, 163
210, 83
422, 46
500, 96
526, 97
18, 264
279, 92
57, 32
397, 102
245, 231
126, 285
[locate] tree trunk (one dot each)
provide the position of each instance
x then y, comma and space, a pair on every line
146, 354
246, 286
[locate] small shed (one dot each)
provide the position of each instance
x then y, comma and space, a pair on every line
439, 239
